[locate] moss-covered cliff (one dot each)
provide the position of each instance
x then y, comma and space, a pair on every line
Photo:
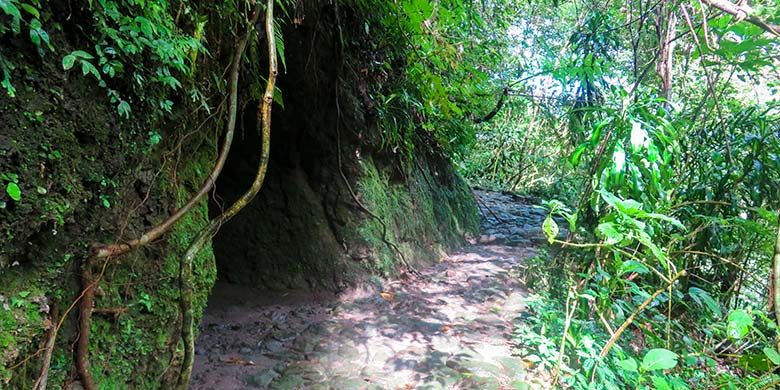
90, 173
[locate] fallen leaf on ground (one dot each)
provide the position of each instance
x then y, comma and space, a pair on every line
239, 361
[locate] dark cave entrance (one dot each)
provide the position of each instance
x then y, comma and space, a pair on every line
286, 238
292, 235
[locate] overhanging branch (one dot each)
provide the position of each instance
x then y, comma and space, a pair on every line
744, 12
499, 106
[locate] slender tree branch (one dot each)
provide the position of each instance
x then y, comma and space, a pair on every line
744, 12
499, 105
776, 276
611, 342
40, 383
85, 317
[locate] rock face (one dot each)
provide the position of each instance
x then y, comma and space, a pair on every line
88, 176
311, 226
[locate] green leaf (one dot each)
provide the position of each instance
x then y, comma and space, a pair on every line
68, 61
145, 26
609, 231
278, 98
629, 266
550, 228
13, 190
739, 323
82, 54
88, 68
660, 383
625, 206
35, 32
571, 218
629, 365
645, 239
31, 10
10, 9
704, 299
279, 39
123, 108
662, 217
659, 359
577, 155
772, 354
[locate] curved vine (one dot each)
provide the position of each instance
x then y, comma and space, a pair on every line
188, 321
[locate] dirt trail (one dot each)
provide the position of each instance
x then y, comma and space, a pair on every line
448, 328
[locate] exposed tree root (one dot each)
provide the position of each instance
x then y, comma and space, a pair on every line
85, 315
40, 383
111, 250
188, 321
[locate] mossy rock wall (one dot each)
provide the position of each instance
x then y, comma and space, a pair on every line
85, 175
305, 229
88, 175
91, 196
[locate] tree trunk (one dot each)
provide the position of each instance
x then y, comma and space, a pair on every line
776, 277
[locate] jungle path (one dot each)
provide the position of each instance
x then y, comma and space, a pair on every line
447, 328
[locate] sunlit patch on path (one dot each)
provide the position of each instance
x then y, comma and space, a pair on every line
448, 327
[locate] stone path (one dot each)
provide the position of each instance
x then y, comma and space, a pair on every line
447, 328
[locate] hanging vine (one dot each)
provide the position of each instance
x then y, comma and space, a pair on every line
264, 121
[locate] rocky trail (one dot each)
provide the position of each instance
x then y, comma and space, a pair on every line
448, 327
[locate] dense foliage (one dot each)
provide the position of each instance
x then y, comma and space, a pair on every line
652, 128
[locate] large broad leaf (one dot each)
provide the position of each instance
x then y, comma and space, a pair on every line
739, 323
772, 354
629, 365
609, 231
704, 299
625, 206
550, 229
659, 359
756, 362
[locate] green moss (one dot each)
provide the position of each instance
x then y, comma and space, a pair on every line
148, 289
20, 320
423, 217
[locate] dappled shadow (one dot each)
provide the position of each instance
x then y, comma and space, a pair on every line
447, 327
